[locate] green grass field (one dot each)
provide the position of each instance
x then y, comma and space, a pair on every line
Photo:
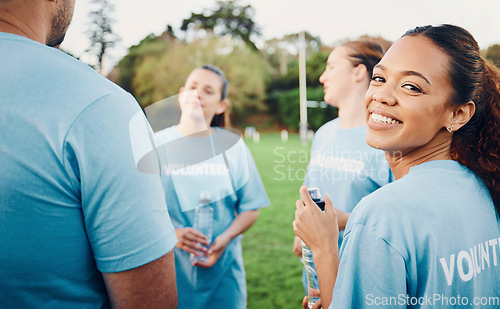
273, 271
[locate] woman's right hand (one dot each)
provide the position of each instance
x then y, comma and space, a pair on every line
191, 240
318, 229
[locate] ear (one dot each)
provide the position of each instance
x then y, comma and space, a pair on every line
360, 73
181, 90
461, 116
222, 106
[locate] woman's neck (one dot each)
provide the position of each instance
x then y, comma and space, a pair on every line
349, 119
352, 111
401, 162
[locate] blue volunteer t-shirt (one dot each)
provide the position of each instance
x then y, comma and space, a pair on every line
428, 240
193, 165
73, 203
345, 166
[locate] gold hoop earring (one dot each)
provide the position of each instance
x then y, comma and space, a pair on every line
450, 129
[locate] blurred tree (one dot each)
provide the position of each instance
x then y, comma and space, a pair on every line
101, 33
493, 54
280, 51
169, 32
151, 46
283, 93
315, 65
158, 77
228, 18
284, 104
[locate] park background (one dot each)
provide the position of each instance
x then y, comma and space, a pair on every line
264, 84
262, 70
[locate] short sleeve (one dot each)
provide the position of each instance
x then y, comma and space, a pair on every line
124, 210
371, 274
249, 187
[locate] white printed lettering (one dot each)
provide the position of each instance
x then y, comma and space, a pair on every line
460, 260
448, 272
473, 253
485, 254
493, 243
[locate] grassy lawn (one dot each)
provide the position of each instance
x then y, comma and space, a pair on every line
273, 271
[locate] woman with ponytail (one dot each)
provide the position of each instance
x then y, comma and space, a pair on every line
209, 168
431, 239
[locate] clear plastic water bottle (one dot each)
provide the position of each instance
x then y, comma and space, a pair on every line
307, 257
312, 276
203, 222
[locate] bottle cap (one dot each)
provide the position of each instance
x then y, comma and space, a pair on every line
314, 193
205, 197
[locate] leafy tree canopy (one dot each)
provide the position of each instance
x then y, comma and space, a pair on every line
228, 18
493, 54
158, 77
151, 46
280, 51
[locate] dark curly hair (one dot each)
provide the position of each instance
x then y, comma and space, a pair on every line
477, 144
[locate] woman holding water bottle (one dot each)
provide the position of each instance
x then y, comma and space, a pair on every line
209, 174
342, 163
429, 239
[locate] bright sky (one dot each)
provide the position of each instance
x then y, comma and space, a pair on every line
331, 20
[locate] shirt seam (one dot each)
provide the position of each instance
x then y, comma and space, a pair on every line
74, 122
370, 231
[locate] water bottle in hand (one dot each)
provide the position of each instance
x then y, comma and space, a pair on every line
203, 221
307, 256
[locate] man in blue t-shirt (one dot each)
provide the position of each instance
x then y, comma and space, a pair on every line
80, 225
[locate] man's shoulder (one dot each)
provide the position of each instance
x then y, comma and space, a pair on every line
79, 84
78, 76
54, 68
54, 85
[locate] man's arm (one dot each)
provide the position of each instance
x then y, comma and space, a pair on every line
148, 286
